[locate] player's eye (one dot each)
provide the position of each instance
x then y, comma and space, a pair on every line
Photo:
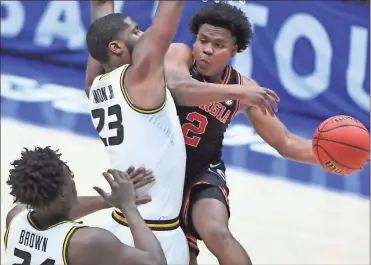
219, 45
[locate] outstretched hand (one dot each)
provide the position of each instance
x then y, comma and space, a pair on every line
263, 98
138, 177
122, 189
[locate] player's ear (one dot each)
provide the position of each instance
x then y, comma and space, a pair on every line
116, 47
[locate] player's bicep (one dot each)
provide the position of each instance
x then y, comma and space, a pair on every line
93, 69
149, 53
96, 246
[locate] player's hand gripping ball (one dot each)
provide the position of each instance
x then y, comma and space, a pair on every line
341, 144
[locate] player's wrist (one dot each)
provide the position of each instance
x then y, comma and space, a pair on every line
128, 208
238, 92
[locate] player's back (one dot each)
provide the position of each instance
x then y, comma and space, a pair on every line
27, 244
149, 138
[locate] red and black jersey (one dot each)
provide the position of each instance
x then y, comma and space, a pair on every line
204, 126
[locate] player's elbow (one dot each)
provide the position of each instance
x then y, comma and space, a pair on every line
281, 143
284, 146
176, 88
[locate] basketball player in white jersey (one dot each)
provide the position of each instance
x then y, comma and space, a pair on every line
43, 234
136, 118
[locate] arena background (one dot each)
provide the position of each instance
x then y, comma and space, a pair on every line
316, 56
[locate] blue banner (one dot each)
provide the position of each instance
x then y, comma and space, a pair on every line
315, 54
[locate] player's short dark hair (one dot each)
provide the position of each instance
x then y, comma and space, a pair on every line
226, 16
101, 32
37, 178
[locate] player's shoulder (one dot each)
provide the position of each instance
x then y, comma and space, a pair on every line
14, 212
180, 47
89, 238
93, 240
179, 52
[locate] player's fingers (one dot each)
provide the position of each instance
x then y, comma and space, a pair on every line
273, 94
115, 174
136, 173
109, 179
272, 102
262, 108
101, 192
143, 200
144, 175
143, 182
130, 170
268, 108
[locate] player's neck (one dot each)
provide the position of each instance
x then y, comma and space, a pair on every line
115, 63
44, 219
218, 78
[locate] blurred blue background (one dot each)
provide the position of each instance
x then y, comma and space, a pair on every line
314, 54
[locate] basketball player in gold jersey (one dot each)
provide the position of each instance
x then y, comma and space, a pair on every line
41, 229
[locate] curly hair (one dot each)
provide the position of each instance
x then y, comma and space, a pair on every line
37, 178
101, 32
226, 16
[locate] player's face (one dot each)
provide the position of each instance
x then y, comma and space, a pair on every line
69, 189
212, 49
123, 47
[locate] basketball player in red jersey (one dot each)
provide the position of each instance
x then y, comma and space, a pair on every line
221, 31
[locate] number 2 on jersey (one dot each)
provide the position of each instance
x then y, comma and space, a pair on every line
190, 127
117, 124
26, 257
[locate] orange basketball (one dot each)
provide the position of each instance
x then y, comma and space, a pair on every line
341, 144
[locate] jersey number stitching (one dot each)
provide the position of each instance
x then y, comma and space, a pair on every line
190, 127
117, 124
26, 256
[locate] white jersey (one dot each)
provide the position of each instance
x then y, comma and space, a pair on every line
26, 244
149, 138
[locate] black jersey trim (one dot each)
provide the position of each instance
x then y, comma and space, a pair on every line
154, 225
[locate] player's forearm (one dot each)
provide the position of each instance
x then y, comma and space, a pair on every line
144, 239
93, 69
86, 205
298, 149
189, 92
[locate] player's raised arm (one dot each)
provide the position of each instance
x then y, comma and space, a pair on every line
97, 246
145, 79
98, 9
189, 92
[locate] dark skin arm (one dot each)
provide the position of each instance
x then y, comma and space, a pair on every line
105, 248
93, 68
144, 81
189, 92
86, 205
275, 133
96, 246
